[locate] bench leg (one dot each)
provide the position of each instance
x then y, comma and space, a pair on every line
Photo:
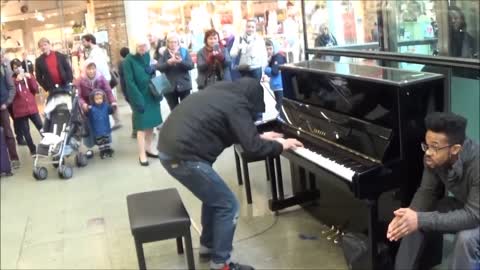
247, 181
140, 255
267, 170
179, 245
239, 170
189, 250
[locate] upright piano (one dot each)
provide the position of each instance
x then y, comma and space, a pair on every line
363, 125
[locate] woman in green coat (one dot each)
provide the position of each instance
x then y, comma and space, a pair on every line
146, 109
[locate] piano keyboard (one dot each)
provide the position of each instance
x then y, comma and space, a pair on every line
326, 163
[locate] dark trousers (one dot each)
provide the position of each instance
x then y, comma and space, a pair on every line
174, 98
278, 99
9, 137
24, 126
465, 254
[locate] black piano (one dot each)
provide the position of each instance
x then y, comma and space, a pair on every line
361, 125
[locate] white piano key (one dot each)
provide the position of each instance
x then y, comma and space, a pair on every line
326, 163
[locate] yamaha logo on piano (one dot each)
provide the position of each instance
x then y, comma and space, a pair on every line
319, 132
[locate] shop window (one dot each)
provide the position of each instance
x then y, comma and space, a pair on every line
445, 28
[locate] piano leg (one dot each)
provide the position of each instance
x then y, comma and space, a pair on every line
313, 182
279, 178
302, 196
302, 178
273, 180
372, 228
239, 170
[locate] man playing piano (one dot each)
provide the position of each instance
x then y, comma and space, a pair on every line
452, 162
192, 138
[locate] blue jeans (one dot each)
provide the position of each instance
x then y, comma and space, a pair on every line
219, 205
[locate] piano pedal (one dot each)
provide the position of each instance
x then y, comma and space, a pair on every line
334, 236
332, 229
337, 240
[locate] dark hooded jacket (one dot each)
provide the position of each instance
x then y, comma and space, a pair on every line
209, 121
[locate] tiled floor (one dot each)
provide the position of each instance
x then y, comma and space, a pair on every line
82, 223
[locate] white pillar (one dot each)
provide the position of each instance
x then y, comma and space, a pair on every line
136, 19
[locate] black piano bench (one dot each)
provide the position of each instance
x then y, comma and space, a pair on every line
159, 215
240, 157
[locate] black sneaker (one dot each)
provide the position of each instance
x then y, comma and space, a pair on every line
235, 266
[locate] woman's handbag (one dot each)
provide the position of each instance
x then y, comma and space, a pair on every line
160, 86
114, 79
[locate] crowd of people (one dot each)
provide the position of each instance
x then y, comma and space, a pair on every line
220, 59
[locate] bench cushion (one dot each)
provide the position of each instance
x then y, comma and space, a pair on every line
157, 215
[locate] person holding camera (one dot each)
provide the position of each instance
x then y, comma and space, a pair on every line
176, 63
24, 106
213, 61
251, 52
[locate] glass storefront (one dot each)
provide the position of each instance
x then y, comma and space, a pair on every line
425, 27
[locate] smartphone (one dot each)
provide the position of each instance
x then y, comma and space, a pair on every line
216, 47
177, 55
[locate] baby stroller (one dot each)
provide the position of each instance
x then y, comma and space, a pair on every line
61, 134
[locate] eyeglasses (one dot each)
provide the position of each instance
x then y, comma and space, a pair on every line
426, 147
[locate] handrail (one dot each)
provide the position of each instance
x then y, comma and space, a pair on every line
375, 45
400, 57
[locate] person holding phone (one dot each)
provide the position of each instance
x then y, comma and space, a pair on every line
24, 107
176, 63
213, 61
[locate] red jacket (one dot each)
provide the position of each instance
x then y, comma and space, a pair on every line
24, 103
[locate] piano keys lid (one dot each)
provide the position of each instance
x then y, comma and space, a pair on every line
356, 136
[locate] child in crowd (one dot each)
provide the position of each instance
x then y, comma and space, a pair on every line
276, 59
89, 81
24, 106
98, 117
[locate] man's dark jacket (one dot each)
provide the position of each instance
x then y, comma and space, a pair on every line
209, 121
43, 75
462, 180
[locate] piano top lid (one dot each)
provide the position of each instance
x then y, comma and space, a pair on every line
387, 75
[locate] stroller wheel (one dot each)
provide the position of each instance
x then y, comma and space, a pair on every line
40, 173
65, 172
81, 160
